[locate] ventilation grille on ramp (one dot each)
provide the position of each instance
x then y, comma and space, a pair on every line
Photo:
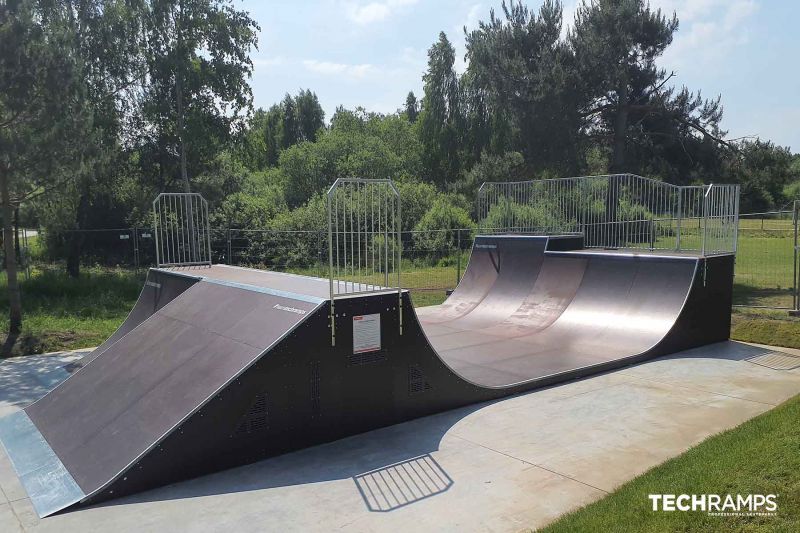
366, 358
417, 384
315, 393
256, 419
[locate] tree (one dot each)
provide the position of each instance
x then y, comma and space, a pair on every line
310, 116
616, 44
290, 129
434, 230
440, 120
508, 166
42, 111
107, 40
260, 146
196, 93
520, 74
412, 107
763, 170
294, 120
627, 102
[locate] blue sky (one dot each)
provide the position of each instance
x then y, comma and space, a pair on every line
372, 52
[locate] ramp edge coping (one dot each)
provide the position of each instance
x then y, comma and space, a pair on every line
254, 288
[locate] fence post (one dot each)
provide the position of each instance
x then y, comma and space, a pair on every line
230, 255
458, 252
136, 248
680, 218
796, 289
705, 218
25, 253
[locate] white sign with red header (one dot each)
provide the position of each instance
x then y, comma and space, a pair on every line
366, 333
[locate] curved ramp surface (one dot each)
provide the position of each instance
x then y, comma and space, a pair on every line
571, 310
224, 365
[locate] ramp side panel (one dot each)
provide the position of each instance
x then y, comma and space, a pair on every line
104, 417
160, 288
478, 279
519, 261
706, 316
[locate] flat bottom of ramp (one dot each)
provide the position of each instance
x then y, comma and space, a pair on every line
508, 465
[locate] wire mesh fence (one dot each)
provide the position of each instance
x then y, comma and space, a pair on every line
766, 274
432, 261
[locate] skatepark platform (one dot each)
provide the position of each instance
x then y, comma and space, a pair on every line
219, 366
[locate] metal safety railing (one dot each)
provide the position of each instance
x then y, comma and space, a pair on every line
364, 240
182, 236
615, 211
796, 260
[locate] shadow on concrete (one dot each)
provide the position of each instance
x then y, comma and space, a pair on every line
395, 486
371, 460
728, 350
23, 380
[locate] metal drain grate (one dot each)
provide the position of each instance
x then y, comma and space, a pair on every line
777, 361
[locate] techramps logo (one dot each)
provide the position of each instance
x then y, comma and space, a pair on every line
717, 504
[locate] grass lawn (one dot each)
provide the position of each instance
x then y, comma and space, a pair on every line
764, 269
764, 326
60, 313
759, 457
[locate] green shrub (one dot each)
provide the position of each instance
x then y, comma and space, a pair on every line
525, 218
434, 230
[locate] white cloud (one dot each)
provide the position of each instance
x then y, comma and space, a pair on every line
371, 12
338, 69
709, 31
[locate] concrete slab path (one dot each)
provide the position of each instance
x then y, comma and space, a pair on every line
508, 465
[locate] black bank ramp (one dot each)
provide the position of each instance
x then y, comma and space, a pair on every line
91, 435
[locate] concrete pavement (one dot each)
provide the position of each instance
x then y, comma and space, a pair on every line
503, 466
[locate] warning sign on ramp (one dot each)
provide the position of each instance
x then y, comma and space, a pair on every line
366, 333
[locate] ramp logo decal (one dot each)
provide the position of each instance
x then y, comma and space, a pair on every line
717, 504
289, 309
366, 333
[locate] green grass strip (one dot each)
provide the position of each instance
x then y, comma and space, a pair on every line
761, 456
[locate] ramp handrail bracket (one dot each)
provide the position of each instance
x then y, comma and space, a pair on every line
617, 211
181, 229
364, 240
